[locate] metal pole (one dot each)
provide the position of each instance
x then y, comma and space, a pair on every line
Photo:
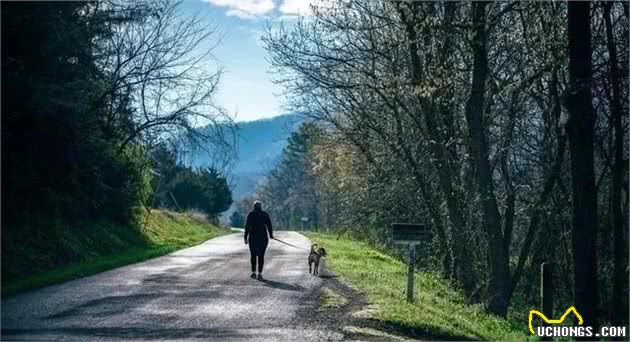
410, 272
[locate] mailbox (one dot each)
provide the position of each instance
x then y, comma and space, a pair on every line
410, 233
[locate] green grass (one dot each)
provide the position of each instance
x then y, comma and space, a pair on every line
99, 247
439, 310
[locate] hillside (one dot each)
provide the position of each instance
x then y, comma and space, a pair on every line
259, 144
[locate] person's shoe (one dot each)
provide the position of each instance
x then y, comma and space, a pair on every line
253, 276
260, 276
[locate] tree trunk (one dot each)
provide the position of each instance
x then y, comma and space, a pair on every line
478, 144
580, 130
619, 309
462, 260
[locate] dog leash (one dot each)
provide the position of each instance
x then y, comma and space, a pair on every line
288, 244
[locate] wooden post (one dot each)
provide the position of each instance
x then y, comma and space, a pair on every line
411, 272
546, 288
410, 234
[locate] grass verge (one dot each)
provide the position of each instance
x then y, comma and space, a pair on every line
102, 247
439, 310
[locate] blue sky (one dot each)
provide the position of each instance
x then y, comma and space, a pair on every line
246, 90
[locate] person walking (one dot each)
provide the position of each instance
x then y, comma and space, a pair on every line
256, 227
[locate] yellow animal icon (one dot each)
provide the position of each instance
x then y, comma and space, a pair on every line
554, 321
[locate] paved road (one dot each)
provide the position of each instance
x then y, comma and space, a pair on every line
203, 292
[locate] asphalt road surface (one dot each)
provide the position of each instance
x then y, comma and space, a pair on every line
200, 293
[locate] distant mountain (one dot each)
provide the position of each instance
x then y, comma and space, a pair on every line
259, 146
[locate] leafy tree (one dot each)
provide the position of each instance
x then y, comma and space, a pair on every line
237, 219
202, 189
56, 159
179, 187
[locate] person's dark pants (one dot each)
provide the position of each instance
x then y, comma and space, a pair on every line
257, 251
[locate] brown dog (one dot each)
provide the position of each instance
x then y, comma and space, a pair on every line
314, 257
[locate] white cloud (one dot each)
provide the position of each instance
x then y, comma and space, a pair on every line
239, 14
305, 7
296, 7
245, 9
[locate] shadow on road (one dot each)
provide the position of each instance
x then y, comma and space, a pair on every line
282, 286
128, 333
121, 305
106, 306
328, 276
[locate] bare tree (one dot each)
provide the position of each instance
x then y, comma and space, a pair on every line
159, 61
456, 112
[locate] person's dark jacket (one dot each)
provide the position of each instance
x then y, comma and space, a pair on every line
256, 227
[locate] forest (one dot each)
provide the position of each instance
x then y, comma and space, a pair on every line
99, 101
502, 125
